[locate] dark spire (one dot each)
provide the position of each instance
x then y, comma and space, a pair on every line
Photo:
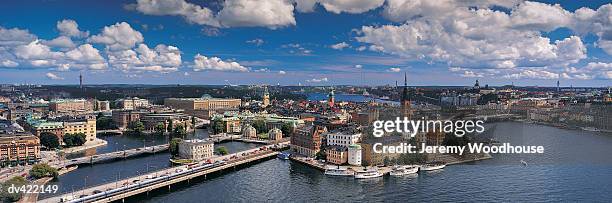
405, 96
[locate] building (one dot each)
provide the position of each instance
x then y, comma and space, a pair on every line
249, 132
406, 107
266, 98
70, 105
203, 107
307, 141
371, 158
150, 120
19, 149
354, 155
132, 103
102, 106
342, 138
275, 134
337, 155
196, 149
122, 118
85, 125
39, 126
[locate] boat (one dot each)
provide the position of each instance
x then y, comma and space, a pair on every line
338, 172
592, 129
370, 173
404, 170
432, 166
283, 156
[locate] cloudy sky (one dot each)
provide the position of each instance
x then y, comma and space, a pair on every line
309, 42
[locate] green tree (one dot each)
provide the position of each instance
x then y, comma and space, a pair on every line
105, 123
17, 182
136, 127
179, 131
174, 145
260, 126
160, 128
217, 126
222, 150
68, 139
76, 139
43, 170
170, 125
49, 140
287, 129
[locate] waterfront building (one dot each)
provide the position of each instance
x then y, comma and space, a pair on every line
341, 138
249, 132
354, 155
39, 126
196, 149
85, 125
275, 134
150, 120
70, 105
231, 124
337, 155
19, 149
132, 103
371, 158
307, 141
122, 118
203, 107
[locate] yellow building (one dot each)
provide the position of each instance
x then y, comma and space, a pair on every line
337, 155
19, 149
86, 126
202, 107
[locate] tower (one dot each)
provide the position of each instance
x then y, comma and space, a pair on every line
331, 98
405, 100
81, 80
558, 88
266, 97
477, 85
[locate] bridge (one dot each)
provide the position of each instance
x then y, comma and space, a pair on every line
164, 178
115, 131
114, 155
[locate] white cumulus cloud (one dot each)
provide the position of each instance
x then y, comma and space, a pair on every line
203, 63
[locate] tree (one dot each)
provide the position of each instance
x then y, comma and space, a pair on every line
287, 129
179, 131
76, 139
43, 170
174, 145
136, 127
222, 150
160, 128
217, 126
105, 123
49, 140
260, 126
16, 182
170, 125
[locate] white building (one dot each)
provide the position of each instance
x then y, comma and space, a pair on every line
132, 103
196, 149
354, 155
249, 132
342, 139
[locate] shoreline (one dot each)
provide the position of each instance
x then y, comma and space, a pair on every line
96, 143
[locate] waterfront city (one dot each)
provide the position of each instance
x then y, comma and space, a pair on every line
305, 101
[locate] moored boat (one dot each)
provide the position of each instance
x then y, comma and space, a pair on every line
369, 173
432, 166
338, 172
404, 170
283, 155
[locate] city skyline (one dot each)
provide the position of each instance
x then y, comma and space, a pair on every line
307, 42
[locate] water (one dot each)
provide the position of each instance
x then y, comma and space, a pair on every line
346, 98
88, 175
575, 167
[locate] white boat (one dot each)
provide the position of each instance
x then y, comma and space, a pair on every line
592, 129
432, 166
404, 170
370, 173
338, 172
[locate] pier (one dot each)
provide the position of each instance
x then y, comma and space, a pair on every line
165, 178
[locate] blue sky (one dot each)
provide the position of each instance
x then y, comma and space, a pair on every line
290, 42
